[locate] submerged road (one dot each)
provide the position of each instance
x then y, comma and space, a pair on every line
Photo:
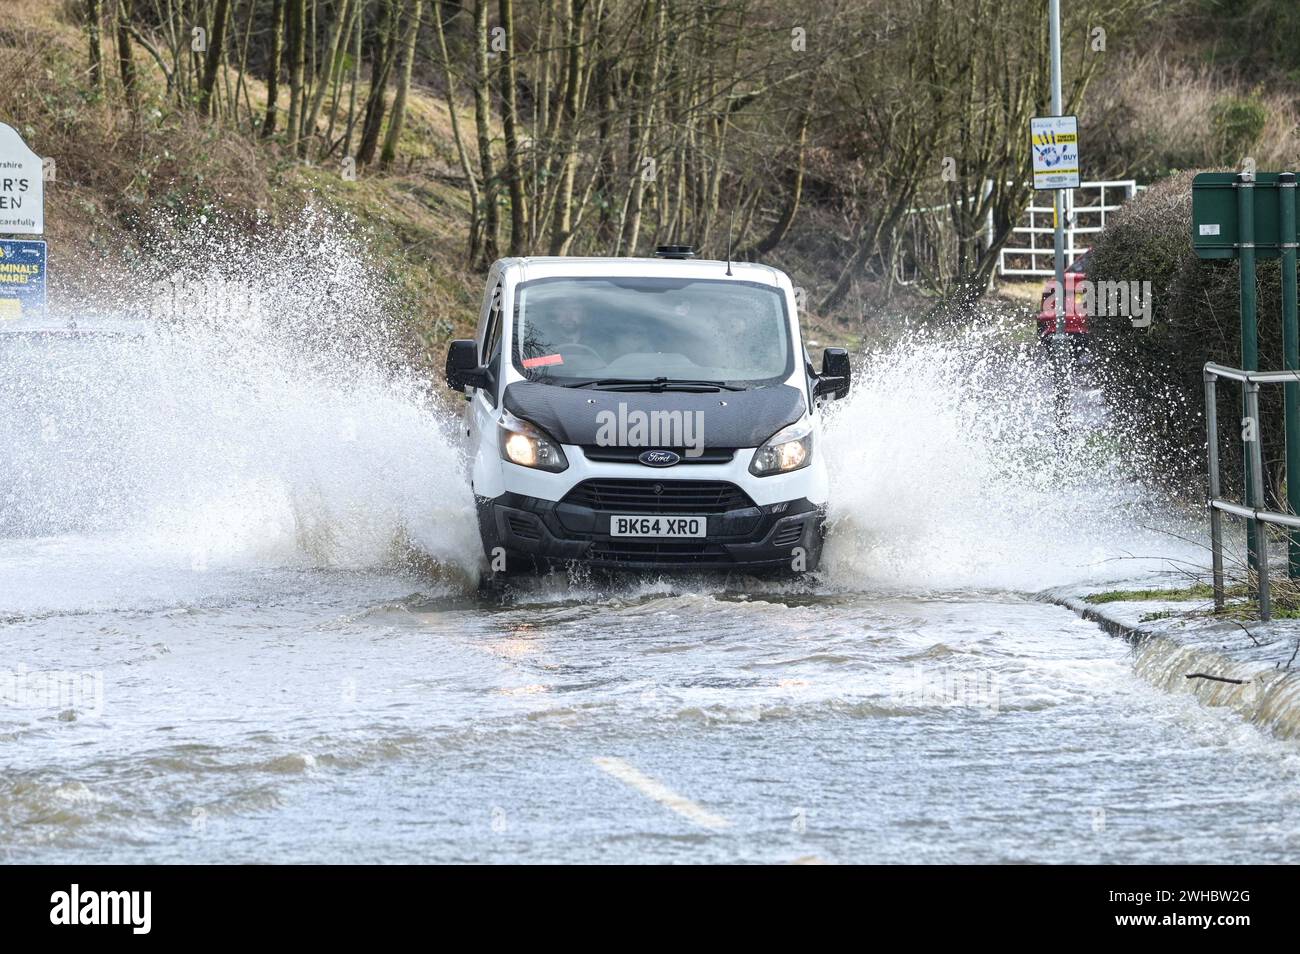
321, 716
188, 673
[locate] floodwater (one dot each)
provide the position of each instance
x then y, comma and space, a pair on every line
331, 716
240, 622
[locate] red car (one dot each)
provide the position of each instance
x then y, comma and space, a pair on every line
1076, 321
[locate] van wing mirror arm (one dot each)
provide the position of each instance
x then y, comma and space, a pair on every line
830, 384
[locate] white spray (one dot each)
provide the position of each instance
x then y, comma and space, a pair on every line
948, 471
246, 405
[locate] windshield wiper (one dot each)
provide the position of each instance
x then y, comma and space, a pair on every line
656, 384
603, 382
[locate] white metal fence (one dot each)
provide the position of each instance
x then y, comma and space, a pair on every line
1085, 215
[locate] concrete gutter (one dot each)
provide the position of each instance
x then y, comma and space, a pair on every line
1251, 668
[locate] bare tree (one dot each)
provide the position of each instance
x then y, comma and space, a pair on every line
462, 153
382, 51
403, 85
273, 68
510, 124
483, 129
296, 26
125, 59
213, 56
356, 77
567, 128
333, 56
94, 17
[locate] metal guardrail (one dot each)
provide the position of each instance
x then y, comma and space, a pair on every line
1257, 517
1095, 211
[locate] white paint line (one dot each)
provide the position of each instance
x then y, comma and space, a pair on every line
661, 793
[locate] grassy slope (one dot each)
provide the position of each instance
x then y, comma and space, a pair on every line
117, 170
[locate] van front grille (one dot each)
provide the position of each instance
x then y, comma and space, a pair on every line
685, 553
658, 496
630, 455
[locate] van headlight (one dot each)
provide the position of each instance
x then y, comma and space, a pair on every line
527, 445
788, 449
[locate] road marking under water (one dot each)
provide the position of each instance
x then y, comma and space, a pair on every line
661, 793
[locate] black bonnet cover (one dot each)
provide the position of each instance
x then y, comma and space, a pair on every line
573, 415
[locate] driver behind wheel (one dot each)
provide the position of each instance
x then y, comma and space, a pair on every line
571, 324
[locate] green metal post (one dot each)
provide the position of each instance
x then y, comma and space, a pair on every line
1245, 184
1286, 196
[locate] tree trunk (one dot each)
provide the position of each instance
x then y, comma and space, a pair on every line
562, 227
381, 64
607, 83
389, 152
356, 78
212, 62
328, 146
309, 74
648, 77
273, 68
475, 200
510, 125
782, 226
297, 36
331, 57
94, 16
125, 59
483, 130
241, 74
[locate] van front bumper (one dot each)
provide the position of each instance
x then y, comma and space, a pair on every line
740, 535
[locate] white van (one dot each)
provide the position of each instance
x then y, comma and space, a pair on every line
655, 414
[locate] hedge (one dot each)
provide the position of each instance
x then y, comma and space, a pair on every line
1153, 375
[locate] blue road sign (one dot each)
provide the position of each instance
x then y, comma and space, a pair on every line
22, 279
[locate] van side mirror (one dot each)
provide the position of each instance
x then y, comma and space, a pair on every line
463, 369
836, 376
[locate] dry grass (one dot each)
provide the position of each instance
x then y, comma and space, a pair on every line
114, 165
1150, 114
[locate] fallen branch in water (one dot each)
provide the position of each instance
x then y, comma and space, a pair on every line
1205, 675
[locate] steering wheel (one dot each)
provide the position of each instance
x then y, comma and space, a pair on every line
572, 346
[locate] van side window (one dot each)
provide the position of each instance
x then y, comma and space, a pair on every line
490, 352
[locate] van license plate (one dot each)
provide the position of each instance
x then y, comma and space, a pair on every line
632, 526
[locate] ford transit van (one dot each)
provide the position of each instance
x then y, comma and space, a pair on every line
645, 414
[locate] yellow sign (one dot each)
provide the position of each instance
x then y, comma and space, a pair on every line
1055, 144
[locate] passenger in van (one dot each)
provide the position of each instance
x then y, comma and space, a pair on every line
752, 352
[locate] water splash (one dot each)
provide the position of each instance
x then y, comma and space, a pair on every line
239, 403
233, 403
948, 471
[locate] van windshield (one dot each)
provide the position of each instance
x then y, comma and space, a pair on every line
570, 330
